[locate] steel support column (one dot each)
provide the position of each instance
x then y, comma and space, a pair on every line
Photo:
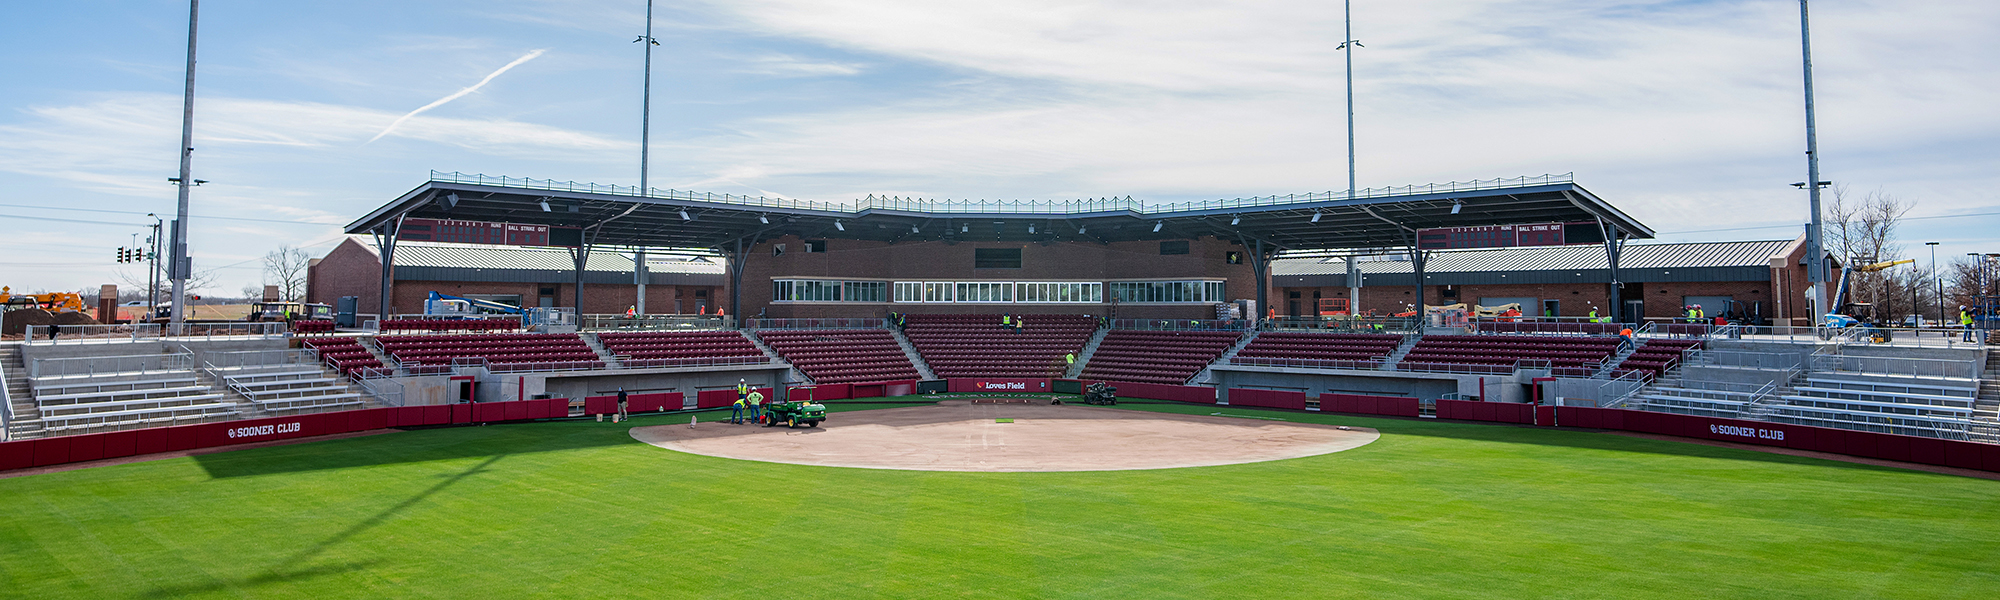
385, 244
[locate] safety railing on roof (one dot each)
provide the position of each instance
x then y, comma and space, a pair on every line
1052, 207
104, 365
869, 323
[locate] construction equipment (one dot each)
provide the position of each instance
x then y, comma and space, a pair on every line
1852, 314
1100, 394
55, 302
794, 413
449, 305
261, 312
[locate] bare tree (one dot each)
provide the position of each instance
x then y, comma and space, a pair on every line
1861, 231
286, 268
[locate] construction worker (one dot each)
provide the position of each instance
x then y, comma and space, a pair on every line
736, 415
1069, 359
742, 389
1020, 324
1006, 320
1964, 320
1626, 340
631, 311
1593, 314
756, 406
622, 404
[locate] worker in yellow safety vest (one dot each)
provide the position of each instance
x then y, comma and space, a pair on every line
1965, 320
1070, 359
756, 403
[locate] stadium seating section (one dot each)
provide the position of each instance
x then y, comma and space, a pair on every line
555, 350
1169, 357
307, 326
977, 346
1920, 406
1337, 350
451, 325
665, 349
344, 354
1498, 353
843, 356
1656, 356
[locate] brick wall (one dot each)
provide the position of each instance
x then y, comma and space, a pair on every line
939, 261
351, 269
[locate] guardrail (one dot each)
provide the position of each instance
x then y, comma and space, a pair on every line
1916, 337
1343, 325
1057, 207
1912, 367
6, 408
260, 358
38, 335
1627, 387
659, 363
654, 322
387, 391
93, 365
1180, 324
1307, 363
1738, 358
1599, 390
755, 323
1464, 369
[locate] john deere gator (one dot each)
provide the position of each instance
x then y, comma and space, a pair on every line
794, 414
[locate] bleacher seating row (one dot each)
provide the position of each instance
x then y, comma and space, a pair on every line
680, 345
1292, 346
1168, 357
978, 346
494, 348
450, 324
310, 326
843, 356
1925, 406
111, 401
1498, 353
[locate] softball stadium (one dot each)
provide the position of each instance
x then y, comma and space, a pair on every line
514, 387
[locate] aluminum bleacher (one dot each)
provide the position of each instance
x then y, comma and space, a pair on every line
283, 382
166, 394
1499, 353
1921, 406
842, 355
977, 346
499, 351
681, 348
1168, 357
1328, 350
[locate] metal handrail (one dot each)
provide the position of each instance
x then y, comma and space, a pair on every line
90, 365
617, 322
836, 323
1308, 363
1180, 324
1916, 367
6, 408
37, 335
1050, 207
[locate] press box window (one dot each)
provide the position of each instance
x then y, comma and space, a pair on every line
815, 246
996, 258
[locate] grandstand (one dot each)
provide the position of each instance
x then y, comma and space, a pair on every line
961, 345
843, 355
1170, 357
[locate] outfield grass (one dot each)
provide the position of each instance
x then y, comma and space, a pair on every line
578, 509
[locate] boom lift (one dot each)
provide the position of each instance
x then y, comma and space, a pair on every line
1852, 314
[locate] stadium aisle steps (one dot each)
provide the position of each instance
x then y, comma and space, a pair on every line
968, 346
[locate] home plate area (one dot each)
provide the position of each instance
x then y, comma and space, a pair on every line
959, 435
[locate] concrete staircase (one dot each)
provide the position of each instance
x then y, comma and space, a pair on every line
27, 420
1402, 350
1207, 372
375, 349
1083, 356
917, 359
1616, 359
610, 360
1986, 408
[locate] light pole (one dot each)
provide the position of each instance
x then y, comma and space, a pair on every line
1816, 274
1348, 44
179, 268
1938, 280
153, 271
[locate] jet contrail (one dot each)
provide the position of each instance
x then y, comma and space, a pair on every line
441, 101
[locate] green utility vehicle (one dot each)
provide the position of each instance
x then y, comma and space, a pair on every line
794, 414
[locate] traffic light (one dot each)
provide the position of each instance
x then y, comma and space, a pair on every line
124, 255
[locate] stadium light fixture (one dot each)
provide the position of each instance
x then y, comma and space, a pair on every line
965, 229
1315, 216
838, 225
1456, 206
684, 215
1157, 225
1236, 219
1079, 229
913, 228
763, 219
545, 204
1031, 228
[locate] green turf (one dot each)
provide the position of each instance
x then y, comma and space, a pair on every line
577, 509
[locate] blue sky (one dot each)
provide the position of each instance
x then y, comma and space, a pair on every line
1685, 114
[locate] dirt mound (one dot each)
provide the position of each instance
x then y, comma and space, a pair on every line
74, 318
15, 322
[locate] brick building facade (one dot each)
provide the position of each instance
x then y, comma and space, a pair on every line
513, 275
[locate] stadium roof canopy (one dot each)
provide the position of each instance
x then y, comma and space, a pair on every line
1369, 219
